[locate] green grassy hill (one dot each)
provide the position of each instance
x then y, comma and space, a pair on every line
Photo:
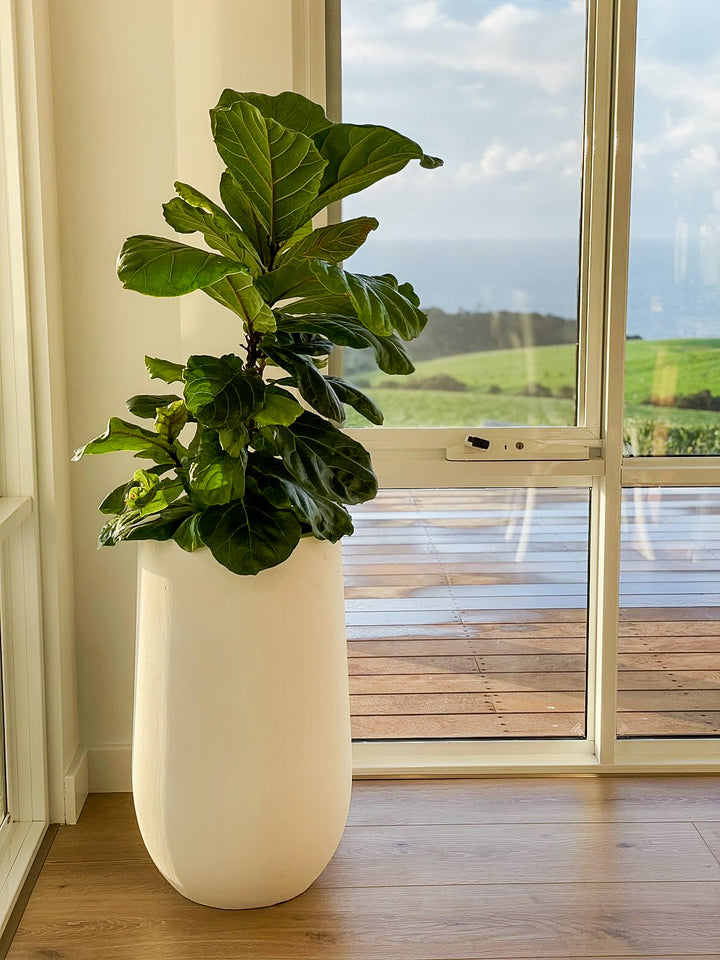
659, 368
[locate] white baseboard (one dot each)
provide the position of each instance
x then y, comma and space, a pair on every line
76, 785
110, 768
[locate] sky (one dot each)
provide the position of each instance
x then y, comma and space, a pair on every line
495, 88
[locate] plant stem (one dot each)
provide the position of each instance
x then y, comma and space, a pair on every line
253, 348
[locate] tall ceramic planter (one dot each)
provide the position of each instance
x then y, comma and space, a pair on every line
241, 740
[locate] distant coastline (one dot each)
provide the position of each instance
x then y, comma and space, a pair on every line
671, 295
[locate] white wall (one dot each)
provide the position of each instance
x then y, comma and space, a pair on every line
132, 83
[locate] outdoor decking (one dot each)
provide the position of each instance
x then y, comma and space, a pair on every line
467, 614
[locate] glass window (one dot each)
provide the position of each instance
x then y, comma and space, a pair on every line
490, 240
669, 677
467, 613
672, 377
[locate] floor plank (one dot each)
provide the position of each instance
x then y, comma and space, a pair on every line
520, 853
539, 869
133, 912
537, 800
710, 832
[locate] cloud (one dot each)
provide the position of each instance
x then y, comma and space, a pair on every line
499, 160
677, 132
535, 45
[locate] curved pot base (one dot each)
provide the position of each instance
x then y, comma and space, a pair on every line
241, 741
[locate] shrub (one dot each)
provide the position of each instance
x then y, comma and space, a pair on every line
647, 438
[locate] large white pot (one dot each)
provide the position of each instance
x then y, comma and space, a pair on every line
241, 740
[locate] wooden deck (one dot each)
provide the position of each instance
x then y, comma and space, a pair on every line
467, 614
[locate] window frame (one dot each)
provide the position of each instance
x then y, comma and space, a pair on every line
26, 822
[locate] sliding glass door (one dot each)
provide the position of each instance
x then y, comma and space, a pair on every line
485, 594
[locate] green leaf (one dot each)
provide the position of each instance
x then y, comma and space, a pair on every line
311, 383
171, 419
327, 520
290, 109
146, 406
187, 534
220, 393
156, 526
121, 435
160, 526
164, 370
239, 294
249, 535
165, 268
378, 303
193, 212
302, 231
333, 243
280, 407
358, 156
265, 441
389, 351
325, 460
215, 476
309, 344
147, 493
114, 502
279, 170
244, 214
349, 394
234, 439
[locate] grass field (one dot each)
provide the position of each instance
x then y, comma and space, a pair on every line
661, 368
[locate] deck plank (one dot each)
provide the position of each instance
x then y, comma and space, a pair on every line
448, 619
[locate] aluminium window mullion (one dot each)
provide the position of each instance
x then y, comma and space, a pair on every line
607, 499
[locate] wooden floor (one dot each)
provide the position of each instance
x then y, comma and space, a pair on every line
427, 870
467, 614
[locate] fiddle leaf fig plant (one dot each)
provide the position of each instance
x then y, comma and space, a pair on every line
245, 451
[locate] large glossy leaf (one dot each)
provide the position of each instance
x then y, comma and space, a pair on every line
165, 268
187, 534
290, 109
327, 519
332, 243
302, 231
244, 214
239, 294
215, 476
311, 383
121, 435
309, 344
219, 392
234, 439
325, 460
146, 406
171, 419
279, 170
347, 393
164, 370
358, 156
249, 535
378, 303
193, 212
279, 407
389, 351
